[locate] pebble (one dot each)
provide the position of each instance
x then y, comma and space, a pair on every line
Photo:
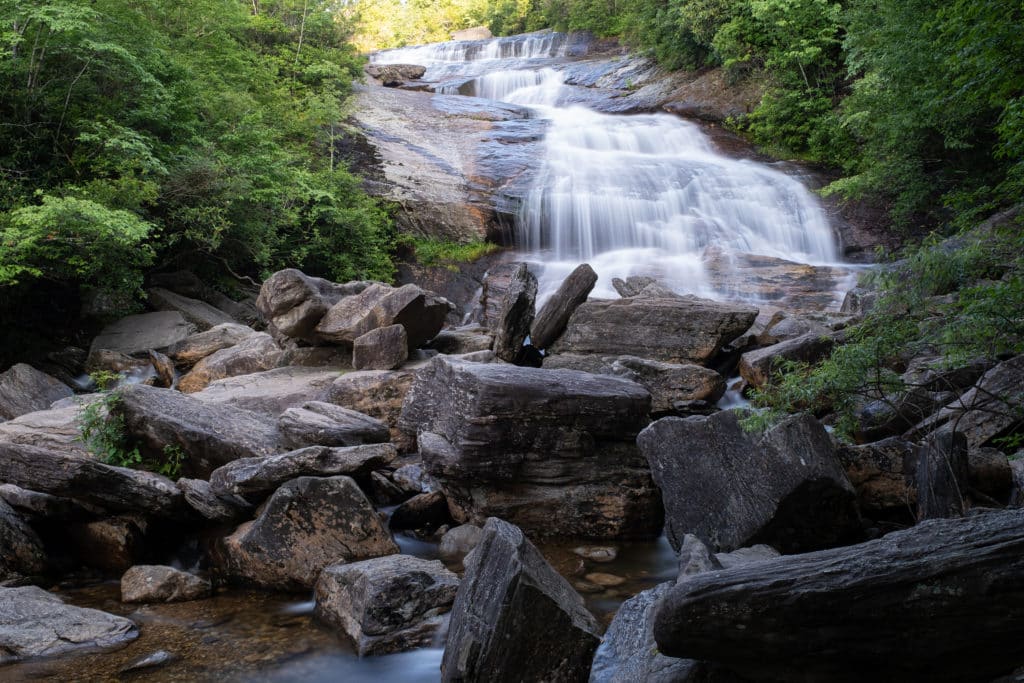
597, 553
605, 580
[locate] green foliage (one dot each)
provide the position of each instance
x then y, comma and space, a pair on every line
172, 462
433, 252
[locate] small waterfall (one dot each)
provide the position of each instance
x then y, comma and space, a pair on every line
517, 86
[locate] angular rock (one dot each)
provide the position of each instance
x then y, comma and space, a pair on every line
43, 505
674, 330
196, 347
642, 286
883, 474
385, 348
412, 479
324, 424
695, 557
670, 383
272, 392
112, 544
222, 509
379, 394
85, 479
35, 623
787, 489
395, 74
756, 553
554, 315
515, 618
904, 599
157, 583
462, 340
208, 435
21, 551
784, 327
894, 414
459, 542
427, 511
515, 315
256, 353
264, 474
308, 524
989, 474
387, 604
152, 661
420, 312
550, 450
760, 367
293, 302
23, 389
164, 368
336, 357
942, 475
137, 334
57, 429
199, 314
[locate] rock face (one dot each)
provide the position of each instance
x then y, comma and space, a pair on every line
324, 424
787, 490
675, 330
264, 474
200, 314
550, 450
308, 524
21, 551
385, 348
23, 389
420, 312
208, 435
515, 314
255, 353
155, 583
515, 618
904, 600
193, 349
34, 623
293, 303
554, 316
85, 479
137, 334
387, 604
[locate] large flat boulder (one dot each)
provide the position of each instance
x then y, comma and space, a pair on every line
675, 330
893, 609
550, 450
23, 389
308, 524
137, 334
208, 435
386, 604
271, 392
786, 489
57, 429
199, 314
515, 619
324, 424
255, 353
84, 479
35, 623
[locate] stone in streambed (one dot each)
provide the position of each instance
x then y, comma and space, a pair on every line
200, 314
137, 334
385, 348
271, 392
515, 314
554, 316
324, 424
196, 347
420, 312
256, 353
223, 508
156, 583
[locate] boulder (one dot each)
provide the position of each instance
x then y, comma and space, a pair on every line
893, 414
755, 553
57, 429
35, 623
324, 424
23, 389
271, 392
426, 511
137, 334
164, 368
113, 544
551, 450
904, 601
156, 583
674, 330
515, 314
336, 357
84, 479
787, 489
462, 340
782, 327
293, 302
393, 75
255, 353
420, 312
459, 542
695, 557
262, 475
44, 506
515, 619
386, 604
554, 315
199, 314
642, 286
21, 551
883, 474
760, 367
412, 479
196, 347
208, 435
385, 348
942, 475
989, 474
379, 394
103, 360
220, 509
308, 524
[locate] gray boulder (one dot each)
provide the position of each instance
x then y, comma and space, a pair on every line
293, 303
674, 330
760, 367
262, 475
515, 619
391, 75
208, 435
45, 506
379, 394
787, 489
515, 314
467, 339
57, 429
420, 312
551, 450
554, 315
196, 347
137, 334
156, 583
199, 314
308, 524
324, 424
385, 348
256, 353
35, 623
459, 542
272, 392
23, 389
883, 474
220, 509
21, 551
386, 604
